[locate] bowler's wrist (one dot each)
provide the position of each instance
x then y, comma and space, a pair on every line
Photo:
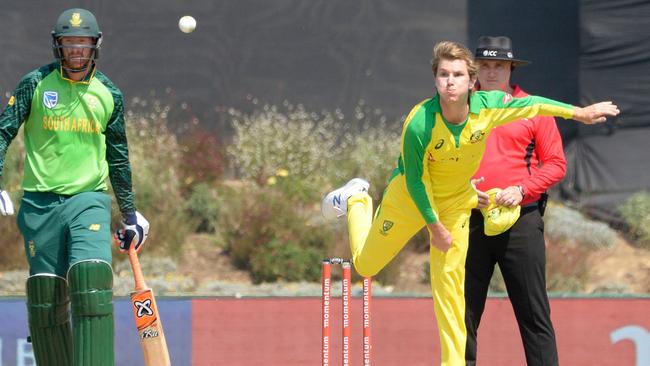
436, 227
522, 191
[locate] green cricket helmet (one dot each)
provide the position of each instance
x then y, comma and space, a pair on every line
76, 22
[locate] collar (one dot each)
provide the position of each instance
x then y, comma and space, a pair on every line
518, 92
86, 80
474, 104
435, 104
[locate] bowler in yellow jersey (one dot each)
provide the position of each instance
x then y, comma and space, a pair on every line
443, 140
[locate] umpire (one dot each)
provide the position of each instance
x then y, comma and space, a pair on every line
524, 159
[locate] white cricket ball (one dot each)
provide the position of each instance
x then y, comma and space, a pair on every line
187, 24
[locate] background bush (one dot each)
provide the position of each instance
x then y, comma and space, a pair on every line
313, 152
570, 238
12, 248
203, 208
288, 139
566, 225
264, 210
287, 261
371, 155
203, 158
294, 157
371, 150
272, 235
636, 213
155, 158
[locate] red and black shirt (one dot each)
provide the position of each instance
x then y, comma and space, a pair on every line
527, 152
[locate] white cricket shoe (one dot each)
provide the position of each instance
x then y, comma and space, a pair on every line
335, 203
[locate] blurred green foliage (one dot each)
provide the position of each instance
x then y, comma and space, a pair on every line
303, 144
308, 153
287, 261
258, 194
12, 252
636, 213
155, 157
290, 158
203, 158
257, 221
564, 224
203, 208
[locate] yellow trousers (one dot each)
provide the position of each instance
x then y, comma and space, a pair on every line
375, 243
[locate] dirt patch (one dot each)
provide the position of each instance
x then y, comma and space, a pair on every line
622, 266
413, 277
204, 261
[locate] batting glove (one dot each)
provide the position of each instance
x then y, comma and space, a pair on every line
134, 231
6, 207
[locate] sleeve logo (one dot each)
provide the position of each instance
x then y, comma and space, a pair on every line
92, 102
32, 249
50, 99
387, 225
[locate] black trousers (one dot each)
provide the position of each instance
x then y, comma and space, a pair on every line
521, 255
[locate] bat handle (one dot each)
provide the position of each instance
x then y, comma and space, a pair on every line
137, 271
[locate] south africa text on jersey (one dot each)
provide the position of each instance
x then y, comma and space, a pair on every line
71, 124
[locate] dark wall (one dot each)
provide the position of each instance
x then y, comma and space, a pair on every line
585, 52
325, 54
331, 54
615, 58
610, 160
543, 32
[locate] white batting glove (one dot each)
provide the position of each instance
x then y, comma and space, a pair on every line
6, 206
134, 231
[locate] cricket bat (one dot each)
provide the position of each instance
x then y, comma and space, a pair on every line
147, 318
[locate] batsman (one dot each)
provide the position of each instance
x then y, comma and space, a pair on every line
75, 138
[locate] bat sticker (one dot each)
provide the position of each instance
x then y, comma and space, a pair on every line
143, 308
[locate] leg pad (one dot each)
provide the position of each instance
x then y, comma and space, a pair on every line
48, 309
91, 288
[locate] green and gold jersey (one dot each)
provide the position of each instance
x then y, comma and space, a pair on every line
74, 134
438, 158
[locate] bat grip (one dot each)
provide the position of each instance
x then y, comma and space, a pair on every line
138, 277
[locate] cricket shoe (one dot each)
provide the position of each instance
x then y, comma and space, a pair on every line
335, 203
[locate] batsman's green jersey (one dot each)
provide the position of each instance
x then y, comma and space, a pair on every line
74, 134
